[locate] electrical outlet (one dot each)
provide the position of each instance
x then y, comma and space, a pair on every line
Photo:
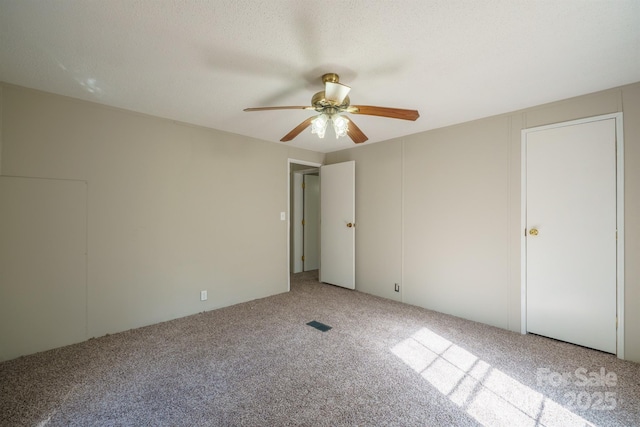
203, 295
397, 288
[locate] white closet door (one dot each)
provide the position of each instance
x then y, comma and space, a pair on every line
571, 233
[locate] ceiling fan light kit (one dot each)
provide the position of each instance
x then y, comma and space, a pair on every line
330, 103
340, 125
319, 125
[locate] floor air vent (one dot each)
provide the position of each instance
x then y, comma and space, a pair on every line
319, 326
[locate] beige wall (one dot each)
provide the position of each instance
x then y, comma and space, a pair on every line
378, 216
445, 205
437, 212
171, 209
455, 197
43, 264
1, 115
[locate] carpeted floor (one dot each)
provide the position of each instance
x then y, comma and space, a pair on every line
259, 364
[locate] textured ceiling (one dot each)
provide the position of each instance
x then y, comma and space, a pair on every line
202, 62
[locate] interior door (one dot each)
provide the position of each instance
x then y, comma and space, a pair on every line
571, 233
337, 224
311, 222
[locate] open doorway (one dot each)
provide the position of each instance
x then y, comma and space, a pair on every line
336, 212
304, 214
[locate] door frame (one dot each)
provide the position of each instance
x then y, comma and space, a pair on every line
619, 221
298, 197
310, 208
289, 162
296, 229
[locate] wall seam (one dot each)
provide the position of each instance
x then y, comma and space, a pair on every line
86, 263
402, 203
509, 223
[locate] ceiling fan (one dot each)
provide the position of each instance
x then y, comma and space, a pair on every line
331, 103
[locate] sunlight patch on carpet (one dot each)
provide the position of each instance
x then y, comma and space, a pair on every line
489, 395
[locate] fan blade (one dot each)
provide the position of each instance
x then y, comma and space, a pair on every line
335, 92
394, 113
277, 108
355, 133
296, 131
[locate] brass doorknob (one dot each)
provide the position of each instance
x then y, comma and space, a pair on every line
350, 225
533, 231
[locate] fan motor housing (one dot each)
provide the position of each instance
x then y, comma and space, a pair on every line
330, 77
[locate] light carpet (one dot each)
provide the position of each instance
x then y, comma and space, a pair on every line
260, 364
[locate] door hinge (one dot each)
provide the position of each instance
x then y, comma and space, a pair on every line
302, 258
303, 222
303, 185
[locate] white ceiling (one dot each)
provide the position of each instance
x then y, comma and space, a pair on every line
202, 62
